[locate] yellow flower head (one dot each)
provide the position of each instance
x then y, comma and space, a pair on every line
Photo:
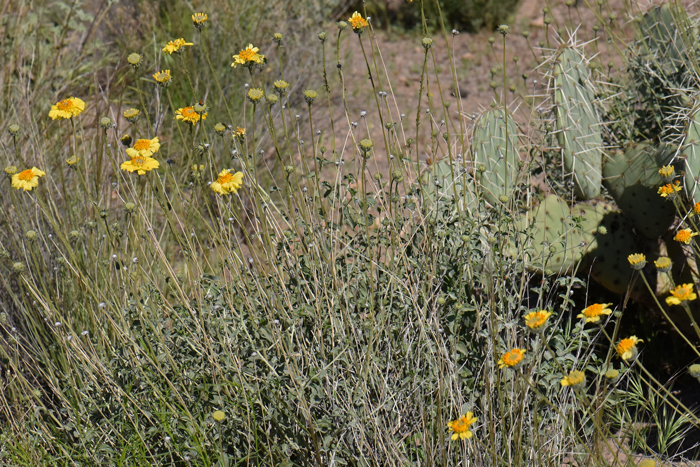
512, 359
357, 22
10, 170
227, 182
199, 19
139, 163
696, 208
627, 348
27, 179
536, 320
669, 189
682, 293
218, 416
131, 115
188, 115
637, 261
163, 77
281, 86
239, 133
576, 380
248, 57
144, 147
685, 236
460, 427
667, 172
593, 313
663, 264
67, 108
176, 46
72, 160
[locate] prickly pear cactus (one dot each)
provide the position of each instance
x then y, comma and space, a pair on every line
661, 62
495, 156
439, 183
691, 153
578, 122
559, 237
662, 38
633, 179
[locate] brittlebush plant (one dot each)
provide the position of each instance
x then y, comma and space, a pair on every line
224, 275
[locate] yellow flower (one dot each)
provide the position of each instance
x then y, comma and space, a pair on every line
512, 359
239, 133
627, 348
176, 46
663, 264
255, 94
669, 189
460, 427
637, 261
593, 313
218, 415
163, 77
27, 179
140, 164
685, 236
199, 19
536, 320
281, 86
10, 170
227, 182
576, 380
696, 208
67, 108
131, 115
357, 22
248, 57
667, 172
682, 293
72, 160
187, 114
144, 147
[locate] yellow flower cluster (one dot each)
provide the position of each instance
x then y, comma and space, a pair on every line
460, 427
357, 22
176, 46
27, 179
141, 156
593, 313
67, 108
512, 359
227, 182
248, 57
188, 115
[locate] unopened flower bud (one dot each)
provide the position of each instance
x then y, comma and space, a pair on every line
134, 59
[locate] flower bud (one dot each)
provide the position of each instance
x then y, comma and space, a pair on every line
310, 96
134, 59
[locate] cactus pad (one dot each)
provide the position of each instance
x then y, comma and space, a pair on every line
691, 152
495, 157
560, 238
578, 122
